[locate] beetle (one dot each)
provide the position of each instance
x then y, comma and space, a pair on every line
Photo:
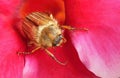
43, 31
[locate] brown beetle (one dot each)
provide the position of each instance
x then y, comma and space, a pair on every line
43, 31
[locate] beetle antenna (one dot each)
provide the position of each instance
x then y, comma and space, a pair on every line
72, 28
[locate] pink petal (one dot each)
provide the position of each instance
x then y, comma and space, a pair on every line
40, 65
11, 65
98, 48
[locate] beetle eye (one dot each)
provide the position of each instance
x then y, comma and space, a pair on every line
57, 40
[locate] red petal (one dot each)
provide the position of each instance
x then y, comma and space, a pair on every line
56, 7
11, 65
98, 48
40, 64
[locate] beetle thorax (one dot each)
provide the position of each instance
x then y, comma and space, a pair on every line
49, 35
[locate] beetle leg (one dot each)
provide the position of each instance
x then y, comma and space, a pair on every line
53, 57
30, 43
64, 39
72, 28
29, 52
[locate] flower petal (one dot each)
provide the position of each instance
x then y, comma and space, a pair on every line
53, 6
40, 64
98, 48
11, 64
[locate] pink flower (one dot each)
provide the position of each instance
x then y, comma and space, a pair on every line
98, 49
38, 65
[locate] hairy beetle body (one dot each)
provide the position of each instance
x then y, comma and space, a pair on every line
43, 31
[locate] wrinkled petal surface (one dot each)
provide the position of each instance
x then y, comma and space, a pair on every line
11, 65
98, 48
